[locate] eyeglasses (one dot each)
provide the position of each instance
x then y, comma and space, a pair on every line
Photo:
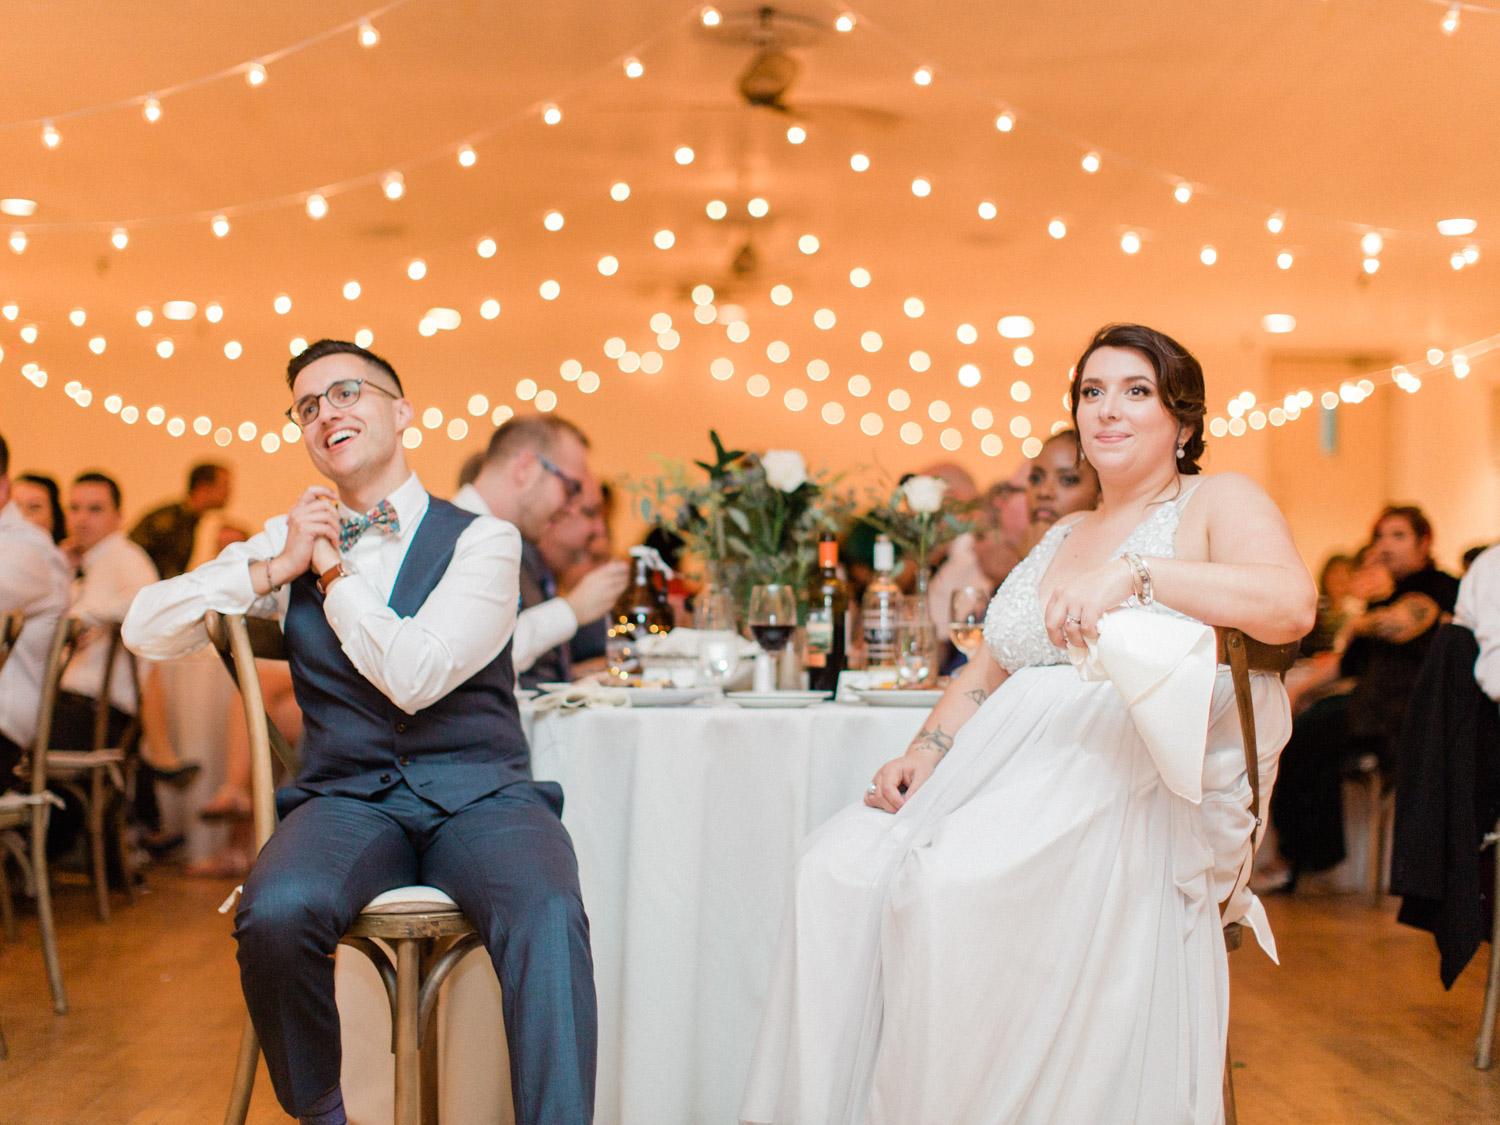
572, 486
343, 393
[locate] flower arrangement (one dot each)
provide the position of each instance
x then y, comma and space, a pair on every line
918, 521
754, 520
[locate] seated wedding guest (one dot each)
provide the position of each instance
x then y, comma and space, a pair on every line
398, 610
1383, 655
167, 533
1059, 483
1022, 922
1477, 609
956, 563
534, 468
998, 542
565, 550
34, 581
39, 500
588, 644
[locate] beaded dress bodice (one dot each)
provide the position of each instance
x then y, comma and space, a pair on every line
1013, 627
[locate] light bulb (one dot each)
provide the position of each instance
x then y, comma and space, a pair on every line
716, 209
282, 304
1284, 260
151, 109
120, 238
416, 269
1183, 192
1130, 242
1471, 254
368, 35
144, 317
551, 114
859, 162
845, 22
317, 206
1006, 121
757, 207
1208, 255
1451, 18
490, 309
609, 265
351, 290
553, 220
922, 76
164, 349
394, 185
232, 350
50, 136
619, 192
987, 210
220, 226
796, 134
364, 337
710, 17
808, 244
683, 155
255, 73
859, 277
1371, 265
921, 188
549, 290
486, 248
633, 68
913, 307
466, 156
1276, 222
18, 241
1057, 228
664, 239
1091, 162
78, 316
1371, 243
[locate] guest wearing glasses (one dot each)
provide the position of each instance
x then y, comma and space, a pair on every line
535, 470
398, 610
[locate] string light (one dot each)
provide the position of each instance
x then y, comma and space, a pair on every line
144, 317
796, 134
913, 307
633, 68
551, 114
859, 162
1130, 242
351, 290
233, 350
368, 35
716, 209
683, 155
466, 156
967, 334
1456, 227
220, 226
1006, 121
255, 73
608, 265
77, 317
553, 220
1452, 17
1276, 222
282, 304
808, 244
1284, 260
485, 248
120, 238
416, 269
1371, 265
1057, 228
50, 136
922, 76
1208, 255
213, 312
1182, 192
18, 241
758, 208
987, 210
393, 184
710, 17
921, 188
619, 192
664, 239
859, 277
151, 109
1371, 243
1091, 162
317, 206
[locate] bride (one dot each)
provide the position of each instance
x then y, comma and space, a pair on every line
1022, 924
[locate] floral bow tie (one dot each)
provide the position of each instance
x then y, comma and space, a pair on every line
383, 518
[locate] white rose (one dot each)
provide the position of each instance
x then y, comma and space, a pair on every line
786, 471
925, 494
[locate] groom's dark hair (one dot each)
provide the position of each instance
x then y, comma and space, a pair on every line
317, 351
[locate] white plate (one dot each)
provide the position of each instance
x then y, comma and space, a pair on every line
665, 697
522, 694
555, 685
900, 697
778, 698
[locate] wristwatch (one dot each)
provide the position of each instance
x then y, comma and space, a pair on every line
338, 570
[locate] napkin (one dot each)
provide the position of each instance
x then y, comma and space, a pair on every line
682, 642
1164, 668
585, 693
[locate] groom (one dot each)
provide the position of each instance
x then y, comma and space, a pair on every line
398, 610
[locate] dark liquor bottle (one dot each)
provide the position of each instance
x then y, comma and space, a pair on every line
827, 620
639, 611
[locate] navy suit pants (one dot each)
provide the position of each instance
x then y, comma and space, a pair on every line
509, 864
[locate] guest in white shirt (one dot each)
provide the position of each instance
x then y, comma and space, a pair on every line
1478, 610
534, 469
112, 571
34, 581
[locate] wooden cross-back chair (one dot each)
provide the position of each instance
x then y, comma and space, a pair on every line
102, 777
428, 932
1245, 655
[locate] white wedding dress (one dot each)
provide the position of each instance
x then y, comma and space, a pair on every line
1035, 937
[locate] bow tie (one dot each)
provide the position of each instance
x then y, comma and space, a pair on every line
383, 518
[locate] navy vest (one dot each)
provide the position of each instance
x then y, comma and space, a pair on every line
357, 743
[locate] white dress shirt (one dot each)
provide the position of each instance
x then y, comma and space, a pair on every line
115, 570
414, 661
539, 628
1478, 609
35, 581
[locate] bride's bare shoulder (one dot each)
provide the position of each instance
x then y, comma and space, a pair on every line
1229, 487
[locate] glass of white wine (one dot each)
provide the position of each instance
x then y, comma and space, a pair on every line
966, 610
916, 644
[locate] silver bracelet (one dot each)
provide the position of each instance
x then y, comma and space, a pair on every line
1142, 577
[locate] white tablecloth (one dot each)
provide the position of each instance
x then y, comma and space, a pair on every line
687, 823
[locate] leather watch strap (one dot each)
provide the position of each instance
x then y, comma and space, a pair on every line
330, 576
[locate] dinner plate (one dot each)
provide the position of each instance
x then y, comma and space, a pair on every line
899, 697
666, 697
778, 698
555, 685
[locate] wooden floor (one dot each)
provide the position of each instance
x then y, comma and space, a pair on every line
1353, 1027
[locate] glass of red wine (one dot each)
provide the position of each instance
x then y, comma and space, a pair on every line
773, 620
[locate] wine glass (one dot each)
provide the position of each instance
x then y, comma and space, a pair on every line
916, 643
773, 620
718, 640
966, 610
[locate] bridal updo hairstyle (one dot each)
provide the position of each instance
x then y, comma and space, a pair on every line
1179, 381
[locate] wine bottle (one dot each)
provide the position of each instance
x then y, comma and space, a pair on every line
640, 610
827, 620
879, 608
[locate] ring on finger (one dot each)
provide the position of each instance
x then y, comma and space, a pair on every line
1071, 620
870, 789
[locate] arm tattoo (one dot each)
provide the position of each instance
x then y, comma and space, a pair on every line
934, 739
978, 695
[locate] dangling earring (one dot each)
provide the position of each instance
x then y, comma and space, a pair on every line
1180, 453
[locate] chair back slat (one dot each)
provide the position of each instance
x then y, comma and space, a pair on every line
59, 651
232, 637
